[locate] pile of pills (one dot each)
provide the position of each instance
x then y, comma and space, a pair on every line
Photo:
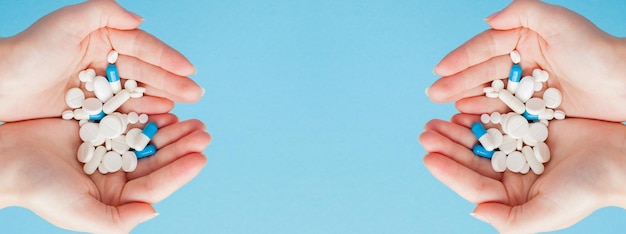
109, 142
519, 144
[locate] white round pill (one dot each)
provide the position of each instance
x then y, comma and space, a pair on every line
98, 141
527, 140
91, 166
492, 94
82, 122
538, 132
495, 117
112, 161
484, 118
74, 97
83, 76
535, 165
89, 86
143, 118
81, 114
488, 90
88, 132
542, 152
559, 114
110, 127
112, 57
515, 161
131, 137
517, 126
525, 88
552, 97
67, 114
131, 85
498, 161
496, 137
119, 144
497, 85
534, 106
544, 122
91, 72
129, 161
132, 118
515, 57
85, 152
538, 86
102, 89
509, 144
92, 106
536, 73
140, 90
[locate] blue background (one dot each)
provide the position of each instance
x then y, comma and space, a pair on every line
315, 108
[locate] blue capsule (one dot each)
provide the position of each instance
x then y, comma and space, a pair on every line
478, 130
530, 117
148, 151
97, 117
481, 151
516, 73
112, 73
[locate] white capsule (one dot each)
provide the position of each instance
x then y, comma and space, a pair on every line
525, 88
85, 152
495, 117
132, 118
497, 85
498, 161
116, 101
535, 106
131, 137
130, 85
535, 165
91, 166
68, 114
515, 161
129, 161
515, 57
102, 89
516, 126
515, 104
484, 118
88, 132
559, 114
552, 97
112, 161
542, 152
143, 118
110, 127
112, 57
92, 106
119, 144
509, 144
74, 98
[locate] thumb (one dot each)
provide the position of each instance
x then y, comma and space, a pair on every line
82, 19
545, 19
536, 215
100, 218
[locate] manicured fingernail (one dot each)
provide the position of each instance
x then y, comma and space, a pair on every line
203, 91
479, 217
149, 217
426, 91
491, 16
195, 71
136, 16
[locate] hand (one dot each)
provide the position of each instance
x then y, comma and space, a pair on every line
41, 63
584, 174
585, 63
39, 171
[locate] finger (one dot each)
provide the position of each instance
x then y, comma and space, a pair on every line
147, 105
465, 120
448, 88
96, 217
151, 50
484, 46
465, 182
536, 215
159, 184
480, 105
82, 19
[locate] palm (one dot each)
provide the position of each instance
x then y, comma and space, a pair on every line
57, 189
552, 200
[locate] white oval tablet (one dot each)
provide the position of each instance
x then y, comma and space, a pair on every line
112, 57
110, 127
495, 117
130, 85
492, 94
515, 161
116, 101
517, 126
131, 137
74, 97
89, 86
91, 166
484, 118
542, 152
515, 104
132, 118
559, 114
496, 137
102, 169
88, 132
85, 152
140, 90
509, 144
498, 161
143, 118
91, 72
525, 88
552, 97
92, 106
112, 161
497, 85
83, 76
515, 57
525, 169
538, 132
102, 89
67, 114
535, 165
129, 161
535, 106
488, 90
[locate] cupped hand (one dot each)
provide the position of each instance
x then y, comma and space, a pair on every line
585, 63
41, 63
42, 174
585, 173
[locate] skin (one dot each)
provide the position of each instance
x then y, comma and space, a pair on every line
47, 57
584, 62
568, 190
53, 185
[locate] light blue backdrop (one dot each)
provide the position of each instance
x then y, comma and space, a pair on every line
315, 108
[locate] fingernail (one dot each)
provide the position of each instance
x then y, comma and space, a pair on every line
195, 71
426, 91
434, 73
479, 217
491, 16
203, 91
149, 217
136, 16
